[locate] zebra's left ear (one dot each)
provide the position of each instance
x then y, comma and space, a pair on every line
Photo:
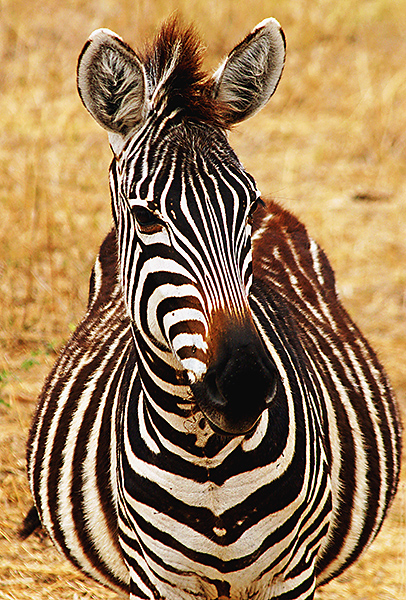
250, 74
112, 85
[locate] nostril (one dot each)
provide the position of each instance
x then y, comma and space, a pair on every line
247, 382
217, 398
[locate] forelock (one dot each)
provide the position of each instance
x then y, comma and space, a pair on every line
173, 64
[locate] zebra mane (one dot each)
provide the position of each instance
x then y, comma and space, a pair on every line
173, 63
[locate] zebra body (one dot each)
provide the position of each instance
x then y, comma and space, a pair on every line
217, 425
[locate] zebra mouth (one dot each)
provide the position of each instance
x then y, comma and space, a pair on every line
220, 431
237, 415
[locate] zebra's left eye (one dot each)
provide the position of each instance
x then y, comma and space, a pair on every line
253, 208
148, 222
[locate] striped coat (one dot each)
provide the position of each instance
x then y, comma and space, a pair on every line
143, 486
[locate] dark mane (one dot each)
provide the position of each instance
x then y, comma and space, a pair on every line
174, 62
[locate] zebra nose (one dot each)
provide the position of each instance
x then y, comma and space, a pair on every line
238, 387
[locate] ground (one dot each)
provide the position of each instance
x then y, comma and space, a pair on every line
331, 147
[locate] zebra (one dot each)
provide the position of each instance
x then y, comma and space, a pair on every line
217, 426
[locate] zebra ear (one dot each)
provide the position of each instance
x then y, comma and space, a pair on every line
112, 85
250, 74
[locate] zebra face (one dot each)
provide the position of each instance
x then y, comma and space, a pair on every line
187, 236
183, 207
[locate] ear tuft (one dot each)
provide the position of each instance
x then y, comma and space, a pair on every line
112, 83
250, 74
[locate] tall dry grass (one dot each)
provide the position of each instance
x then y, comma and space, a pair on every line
331, 146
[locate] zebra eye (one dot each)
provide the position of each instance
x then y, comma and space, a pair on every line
253, 208
147, 221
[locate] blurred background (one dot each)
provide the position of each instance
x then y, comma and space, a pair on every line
330, 146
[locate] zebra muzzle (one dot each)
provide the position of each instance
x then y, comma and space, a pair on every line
240, 383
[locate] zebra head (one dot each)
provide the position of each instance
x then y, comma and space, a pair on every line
183, 208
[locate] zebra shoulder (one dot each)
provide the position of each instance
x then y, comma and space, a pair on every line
286, 257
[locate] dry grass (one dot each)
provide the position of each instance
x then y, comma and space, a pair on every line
331, 147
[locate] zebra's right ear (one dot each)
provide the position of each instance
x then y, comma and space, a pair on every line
112, 85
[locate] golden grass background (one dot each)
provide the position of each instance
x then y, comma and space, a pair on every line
331, 146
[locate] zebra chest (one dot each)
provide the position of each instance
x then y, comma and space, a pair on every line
187, 522
209, 514
193, 531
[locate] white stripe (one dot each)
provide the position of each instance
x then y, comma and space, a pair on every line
92, 508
